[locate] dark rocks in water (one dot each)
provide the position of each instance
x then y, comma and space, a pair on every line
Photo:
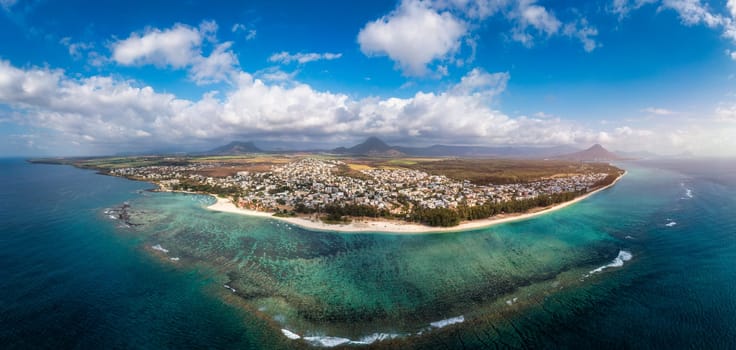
123, 214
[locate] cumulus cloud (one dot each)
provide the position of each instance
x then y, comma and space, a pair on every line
179, 47
419, 33
218, 66
413, 35
107, 111
175, 47
537, 17
302, 58
110, 115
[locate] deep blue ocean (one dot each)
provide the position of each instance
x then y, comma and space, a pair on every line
71, 278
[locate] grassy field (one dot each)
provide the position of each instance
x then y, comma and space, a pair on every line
502, 171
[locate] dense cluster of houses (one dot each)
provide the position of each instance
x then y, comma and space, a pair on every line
315, 183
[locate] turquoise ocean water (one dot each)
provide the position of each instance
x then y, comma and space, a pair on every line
649, 263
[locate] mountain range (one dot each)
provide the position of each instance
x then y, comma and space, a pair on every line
234, 148
375, 147
594, 153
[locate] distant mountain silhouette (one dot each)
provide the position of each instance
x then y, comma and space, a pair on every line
235, 148
483, 151
594, 153
372, 146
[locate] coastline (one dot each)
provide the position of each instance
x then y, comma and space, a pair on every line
396, 226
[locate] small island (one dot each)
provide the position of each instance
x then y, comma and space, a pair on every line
374, 192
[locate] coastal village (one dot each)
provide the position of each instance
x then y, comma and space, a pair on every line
313, 184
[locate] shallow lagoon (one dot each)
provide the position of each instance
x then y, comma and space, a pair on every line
356, 286
80, 279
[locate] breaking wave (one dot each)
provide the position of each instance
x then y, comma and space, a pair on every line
622, 257
289, 334
447, 322
159, 248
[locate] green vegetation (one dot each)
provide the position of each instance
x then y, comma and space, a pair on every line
107, 163
210, 189
452, 217
436, 217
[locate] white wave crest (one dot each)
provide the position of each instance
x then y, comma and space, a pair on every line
289, 334
159, 248
448, 321
370, 339
327, 342
622, 257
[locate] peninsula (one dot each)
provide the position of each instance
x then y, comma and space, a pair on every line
372, 193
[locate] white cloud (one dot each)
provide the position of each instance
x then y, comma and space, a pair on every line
238, 27
694, 12
726, 113
478, 81
476, 9
532, 15
106, 111
176, 47
275, 75
179, 47
413, 36
530, 20
302, 58
419, 33
218, 66
583, 32
691, 12
76, 49
623, 7
657, 111
109, 114
250, 33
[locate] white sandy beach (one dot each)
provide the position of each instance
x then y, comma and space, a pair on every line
396, 226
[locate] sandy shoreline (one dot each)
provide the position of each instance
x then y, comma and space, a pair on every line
396, 226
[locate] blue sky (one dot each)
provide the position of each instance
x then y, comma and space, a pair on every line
79, 78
